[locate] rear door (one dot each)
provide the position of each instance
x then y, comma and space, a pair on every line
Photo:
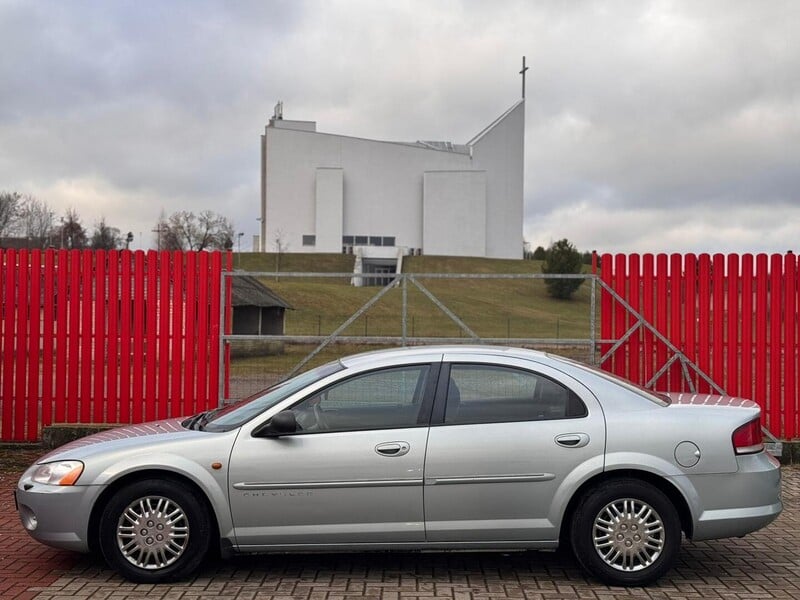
508, 441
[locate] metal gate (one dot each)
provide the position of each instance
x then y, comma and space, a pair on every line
403, 284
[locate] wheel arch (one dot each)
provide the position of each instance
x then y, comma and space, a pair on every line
661, 483
93, 533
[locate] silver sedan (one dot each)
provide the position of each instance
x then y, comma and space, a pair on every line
433, 448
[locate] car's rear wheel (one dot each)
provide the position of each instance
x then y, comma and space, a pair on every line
154, 530
626, 532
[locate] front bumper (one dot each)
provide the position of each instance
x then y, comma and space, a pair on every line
57, 515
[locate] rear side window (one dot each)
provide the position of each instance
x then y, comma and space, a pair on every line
492, 394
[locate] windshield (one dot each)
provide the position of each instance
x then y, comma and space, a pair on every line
240, 413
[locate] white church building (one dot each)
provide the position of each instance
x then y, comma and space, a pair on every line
381, 200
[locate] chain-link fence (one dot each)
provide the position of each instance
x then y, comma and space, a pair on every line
329, 318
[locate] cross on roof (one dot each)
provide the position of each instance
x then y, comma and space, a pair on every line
522, 72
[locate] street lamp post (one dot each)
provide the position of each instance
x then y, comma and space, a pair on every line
158, 230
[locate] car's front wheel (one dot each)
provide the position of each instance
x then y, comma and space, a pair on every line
626, 532
154, 530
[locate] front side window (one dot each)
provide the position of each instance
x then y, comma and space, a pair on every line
389, 398
493, 394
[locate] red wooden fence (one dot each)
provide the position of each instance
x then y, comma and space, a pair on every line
106, 337
734, 317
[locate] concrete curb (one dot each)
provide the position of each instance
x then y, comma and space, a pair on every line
57, 435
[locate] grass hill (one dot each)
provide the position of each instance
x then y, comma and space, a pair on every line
517, 308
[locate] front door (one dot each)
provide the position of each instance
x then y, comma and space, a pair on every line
352, 475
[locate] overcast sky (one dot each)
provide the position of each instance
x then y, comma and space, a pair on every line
650, 126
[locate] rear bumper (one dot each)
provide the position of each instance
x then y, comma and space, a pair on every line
734, 504
735, 522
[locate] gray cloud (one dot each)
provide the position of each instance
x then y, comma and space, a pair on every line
677, 121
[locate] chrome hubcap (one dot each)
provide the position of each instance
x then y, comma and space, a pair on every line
152, 532
628, 534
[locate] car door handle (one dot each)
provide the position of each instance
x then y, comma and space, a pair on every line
572, 440
393, 448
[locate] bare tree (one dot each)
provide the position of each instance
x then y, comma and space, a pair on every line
185, 230
36, 220
105, 237
10, 204
281, 246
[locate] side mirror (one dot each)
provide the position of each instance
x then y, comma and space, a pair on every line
281, 424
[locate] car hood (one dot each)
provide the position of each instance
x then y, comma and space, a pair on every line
709, 400
129, 432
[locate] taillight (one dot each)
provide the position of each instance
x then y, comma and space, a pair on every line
748, 439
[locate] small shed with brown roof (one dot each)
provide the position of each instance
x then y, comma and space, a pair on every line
257, 310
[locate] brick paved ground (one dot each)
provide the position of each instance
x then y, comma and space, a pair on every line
23, 564
765, 564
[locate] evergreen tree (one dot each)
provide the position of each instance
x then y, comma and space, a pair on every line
562, 259
105, 237
72, 232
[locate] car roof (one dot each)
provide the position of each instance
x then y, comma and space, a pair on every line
388, 355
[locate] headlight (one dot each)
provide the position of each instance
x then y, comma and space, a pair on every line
65, 472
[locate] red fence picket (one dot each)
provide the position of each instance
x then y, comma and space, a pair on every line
661, 317
735, 318
789, 341
775, 346
648, 308
732, 347
634, 288
106, 337
606, 306
747, 350
7, 339
690, 313
23, 273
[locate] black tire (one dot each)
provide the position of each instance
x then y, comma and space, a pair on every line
163, 531
638, 532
